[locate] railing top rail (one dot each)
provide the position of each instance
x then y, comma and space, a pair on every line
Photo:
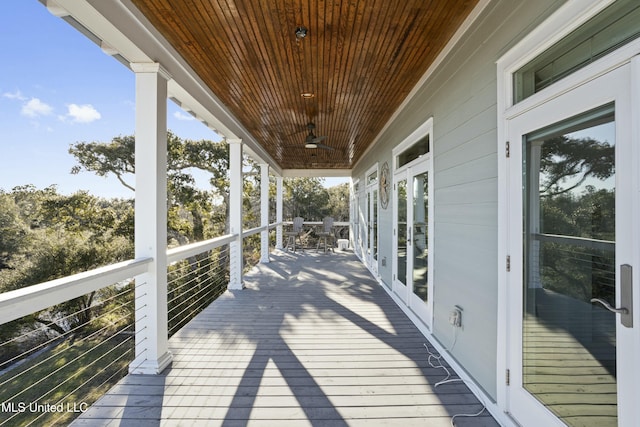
576, 241
186, 251
335, 223
21, 302
255, 230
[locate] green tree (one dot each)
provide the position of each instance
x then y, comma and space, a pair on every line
67, 235
338, 203
305, 197
192, 214
13, 230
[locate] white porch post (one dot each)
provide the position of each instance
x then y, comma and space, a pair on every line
264, 212
235, 213
152, 354
279, 212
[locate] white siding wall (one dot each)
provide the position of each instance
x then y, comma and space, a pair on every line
461, 97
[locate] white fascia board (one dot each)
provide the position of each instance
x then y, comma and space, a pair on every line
316, 173
124, 29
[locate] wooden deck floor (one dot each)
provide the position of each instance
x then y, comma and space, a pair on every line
312, 340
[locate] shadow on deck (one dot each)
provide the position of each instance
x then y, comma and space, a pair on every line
312, 340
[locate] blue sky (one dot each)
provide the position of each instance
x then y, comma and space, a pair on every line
57, 88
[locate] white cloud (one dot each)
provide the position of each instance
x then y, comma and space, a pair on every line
34, 108
83, 113
181, 116
15, 95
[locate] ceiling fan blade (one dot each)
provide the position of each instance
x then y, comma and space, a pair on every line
325, 147
318, 139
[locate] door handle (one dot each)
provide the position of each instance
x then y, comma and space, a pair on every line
626, 297
621, 310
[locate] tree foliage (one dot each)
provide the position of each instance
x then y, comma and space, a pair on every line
577, 200
192, 214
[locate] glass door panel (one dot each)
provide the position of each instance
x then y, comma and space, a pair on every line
368, 225
371, 258
420, 236
569, 345
401, 228
374, 229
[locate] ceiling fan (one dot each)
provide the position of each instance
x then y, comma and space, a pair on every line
312, 141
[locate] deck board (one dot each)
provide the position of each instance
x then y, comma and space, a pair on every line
312, 340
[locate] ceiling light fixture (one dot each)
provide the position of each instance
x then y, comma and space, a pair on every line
307, 95
301, 32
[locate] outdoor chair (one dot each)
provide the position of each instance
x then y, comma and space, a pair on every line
294, 233
326, 234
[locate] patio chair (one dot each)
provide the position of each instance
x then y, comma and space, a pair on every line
294, 233
326, 234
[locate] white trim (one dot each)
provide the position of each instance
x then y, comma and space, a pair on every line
150, 67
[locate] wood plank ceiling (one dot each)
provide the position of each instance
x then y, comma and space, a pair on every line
359, 59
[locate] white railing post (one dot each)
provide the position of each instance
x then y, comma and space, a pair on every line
264, 212
152, 354
235, 213
279, 212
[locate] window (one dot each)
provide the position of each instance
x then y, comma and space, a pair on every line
420, 148
612, 28
372, 178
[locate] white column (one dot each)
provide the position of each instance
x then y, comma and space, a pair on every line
264, 212
152, 354
279, 212
235, 213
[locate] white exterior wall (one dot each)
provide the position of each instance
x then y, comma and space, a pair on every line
461, 96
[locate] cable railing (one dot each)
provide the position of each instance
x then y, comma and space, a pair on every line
194, 283
59, 360
579, 267
64, 343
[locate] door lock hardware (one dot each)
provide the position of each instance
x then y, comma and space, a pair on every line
621, 310
626, 297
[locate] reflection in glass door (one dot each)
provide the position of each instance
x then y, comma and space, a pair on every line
420, 244
401, 236
569, 345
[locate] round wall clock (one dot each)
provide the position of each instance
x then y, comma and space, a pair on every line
385, 187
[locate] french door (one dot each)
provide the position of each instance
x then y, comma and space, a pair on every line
371, 223
413, 243
573, 191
